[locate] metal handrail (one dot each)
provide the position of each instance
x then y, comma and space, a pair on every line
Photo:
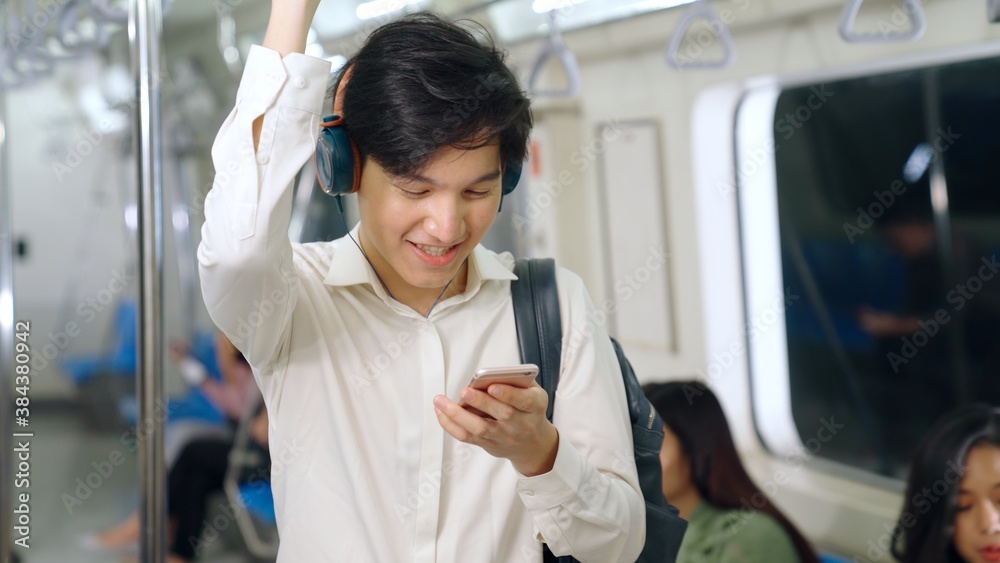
701, 10
555, 46
105, 11
6, 337
145, 34
918, 24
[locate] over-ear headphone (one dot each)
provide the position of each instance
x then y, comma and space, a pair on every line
338, 162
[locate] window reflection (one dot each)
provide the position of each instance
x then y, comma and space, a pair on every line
890, 229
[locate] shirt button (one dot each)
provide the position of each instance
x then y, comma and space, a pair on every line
300, 82
529, 493
262, 159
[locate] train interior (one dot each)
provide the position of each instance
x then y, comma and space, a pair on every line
746, 187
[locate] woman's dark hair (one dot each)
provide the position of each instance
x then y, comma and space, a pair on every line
926, 528
693, 413
421, 83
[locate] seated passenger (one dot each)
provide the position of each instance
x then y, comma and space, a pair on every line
198, 472
952, 503
229, 396
704, 478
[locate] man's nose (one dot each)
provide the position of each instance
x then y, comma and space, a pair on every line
445, 220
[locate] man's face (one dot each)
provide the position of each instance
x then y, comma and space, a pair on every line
418, 231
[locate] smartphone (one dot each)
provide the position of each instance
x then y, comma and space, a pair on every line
516, 376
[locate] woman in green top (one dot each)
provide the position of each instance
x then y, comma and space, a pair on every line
729, 519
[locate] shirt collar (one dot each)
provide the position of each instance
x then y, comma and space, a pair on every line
348, 266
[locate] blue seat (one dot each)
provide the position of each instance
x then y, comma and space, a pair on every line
193, 405
203, 350
120, 359
828, 558
259, 501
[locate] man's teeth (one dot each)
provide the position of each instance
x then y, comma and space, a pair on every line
434, 250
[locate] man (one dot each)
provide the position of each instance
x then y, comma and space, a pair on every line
364, 346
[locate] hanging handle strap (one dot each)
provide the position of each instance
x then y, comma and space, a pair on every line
701, 11
71, 38
555, 47
918, 24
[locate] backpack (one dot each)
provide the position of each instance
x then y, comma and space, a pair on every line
539, 332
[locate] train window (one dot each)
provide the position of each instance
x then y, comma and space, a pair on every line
886, 230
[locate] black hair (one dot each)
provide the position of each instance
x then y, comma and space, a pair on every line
693, 413
421, 83
926, 527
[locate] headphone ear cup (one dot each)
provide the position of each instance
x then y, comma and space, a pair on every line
511, 176
336, 159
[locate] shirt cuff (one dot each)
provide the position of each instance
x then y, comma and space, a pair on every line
559, 485
300, 80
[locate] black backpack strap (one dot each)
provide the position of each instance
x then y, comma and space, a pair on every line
539, 323
539, 332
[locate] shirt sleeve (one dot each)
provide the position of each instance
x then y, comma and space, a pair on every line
589, 505
245, 258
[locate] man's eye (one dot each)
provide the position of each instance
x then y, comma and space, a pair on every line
409, 193
961, 508
479, 194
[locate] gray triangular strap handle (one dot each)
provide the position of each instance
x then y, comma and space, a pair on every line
105, 11
701, 11
557, 48
918, 24
68, 33
24, 68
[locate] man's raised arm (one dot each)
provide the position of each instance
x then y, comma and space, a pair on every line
245, 258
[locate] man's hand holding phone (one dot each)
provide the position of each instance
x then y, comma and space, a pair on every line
511, 422
521, 376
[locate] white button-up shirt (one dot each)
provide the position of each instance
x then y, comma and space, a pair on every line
361, 469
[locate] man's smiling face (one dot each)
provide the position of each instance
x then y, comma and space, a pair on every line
418, 230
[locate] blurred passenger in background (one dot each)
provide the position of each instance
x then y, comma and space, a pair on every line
730, 519
942, 343
951, 511
192, 441
199, 472
227, 396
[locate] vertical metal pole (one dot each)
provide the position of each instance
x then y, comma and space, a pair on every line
145, 33
6, 339
960, 375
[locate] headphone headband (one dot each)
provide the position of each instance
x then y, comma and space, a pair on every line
338, 161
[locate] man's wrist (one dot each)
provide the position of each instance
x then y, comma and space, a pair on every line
544, 457
287, 29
